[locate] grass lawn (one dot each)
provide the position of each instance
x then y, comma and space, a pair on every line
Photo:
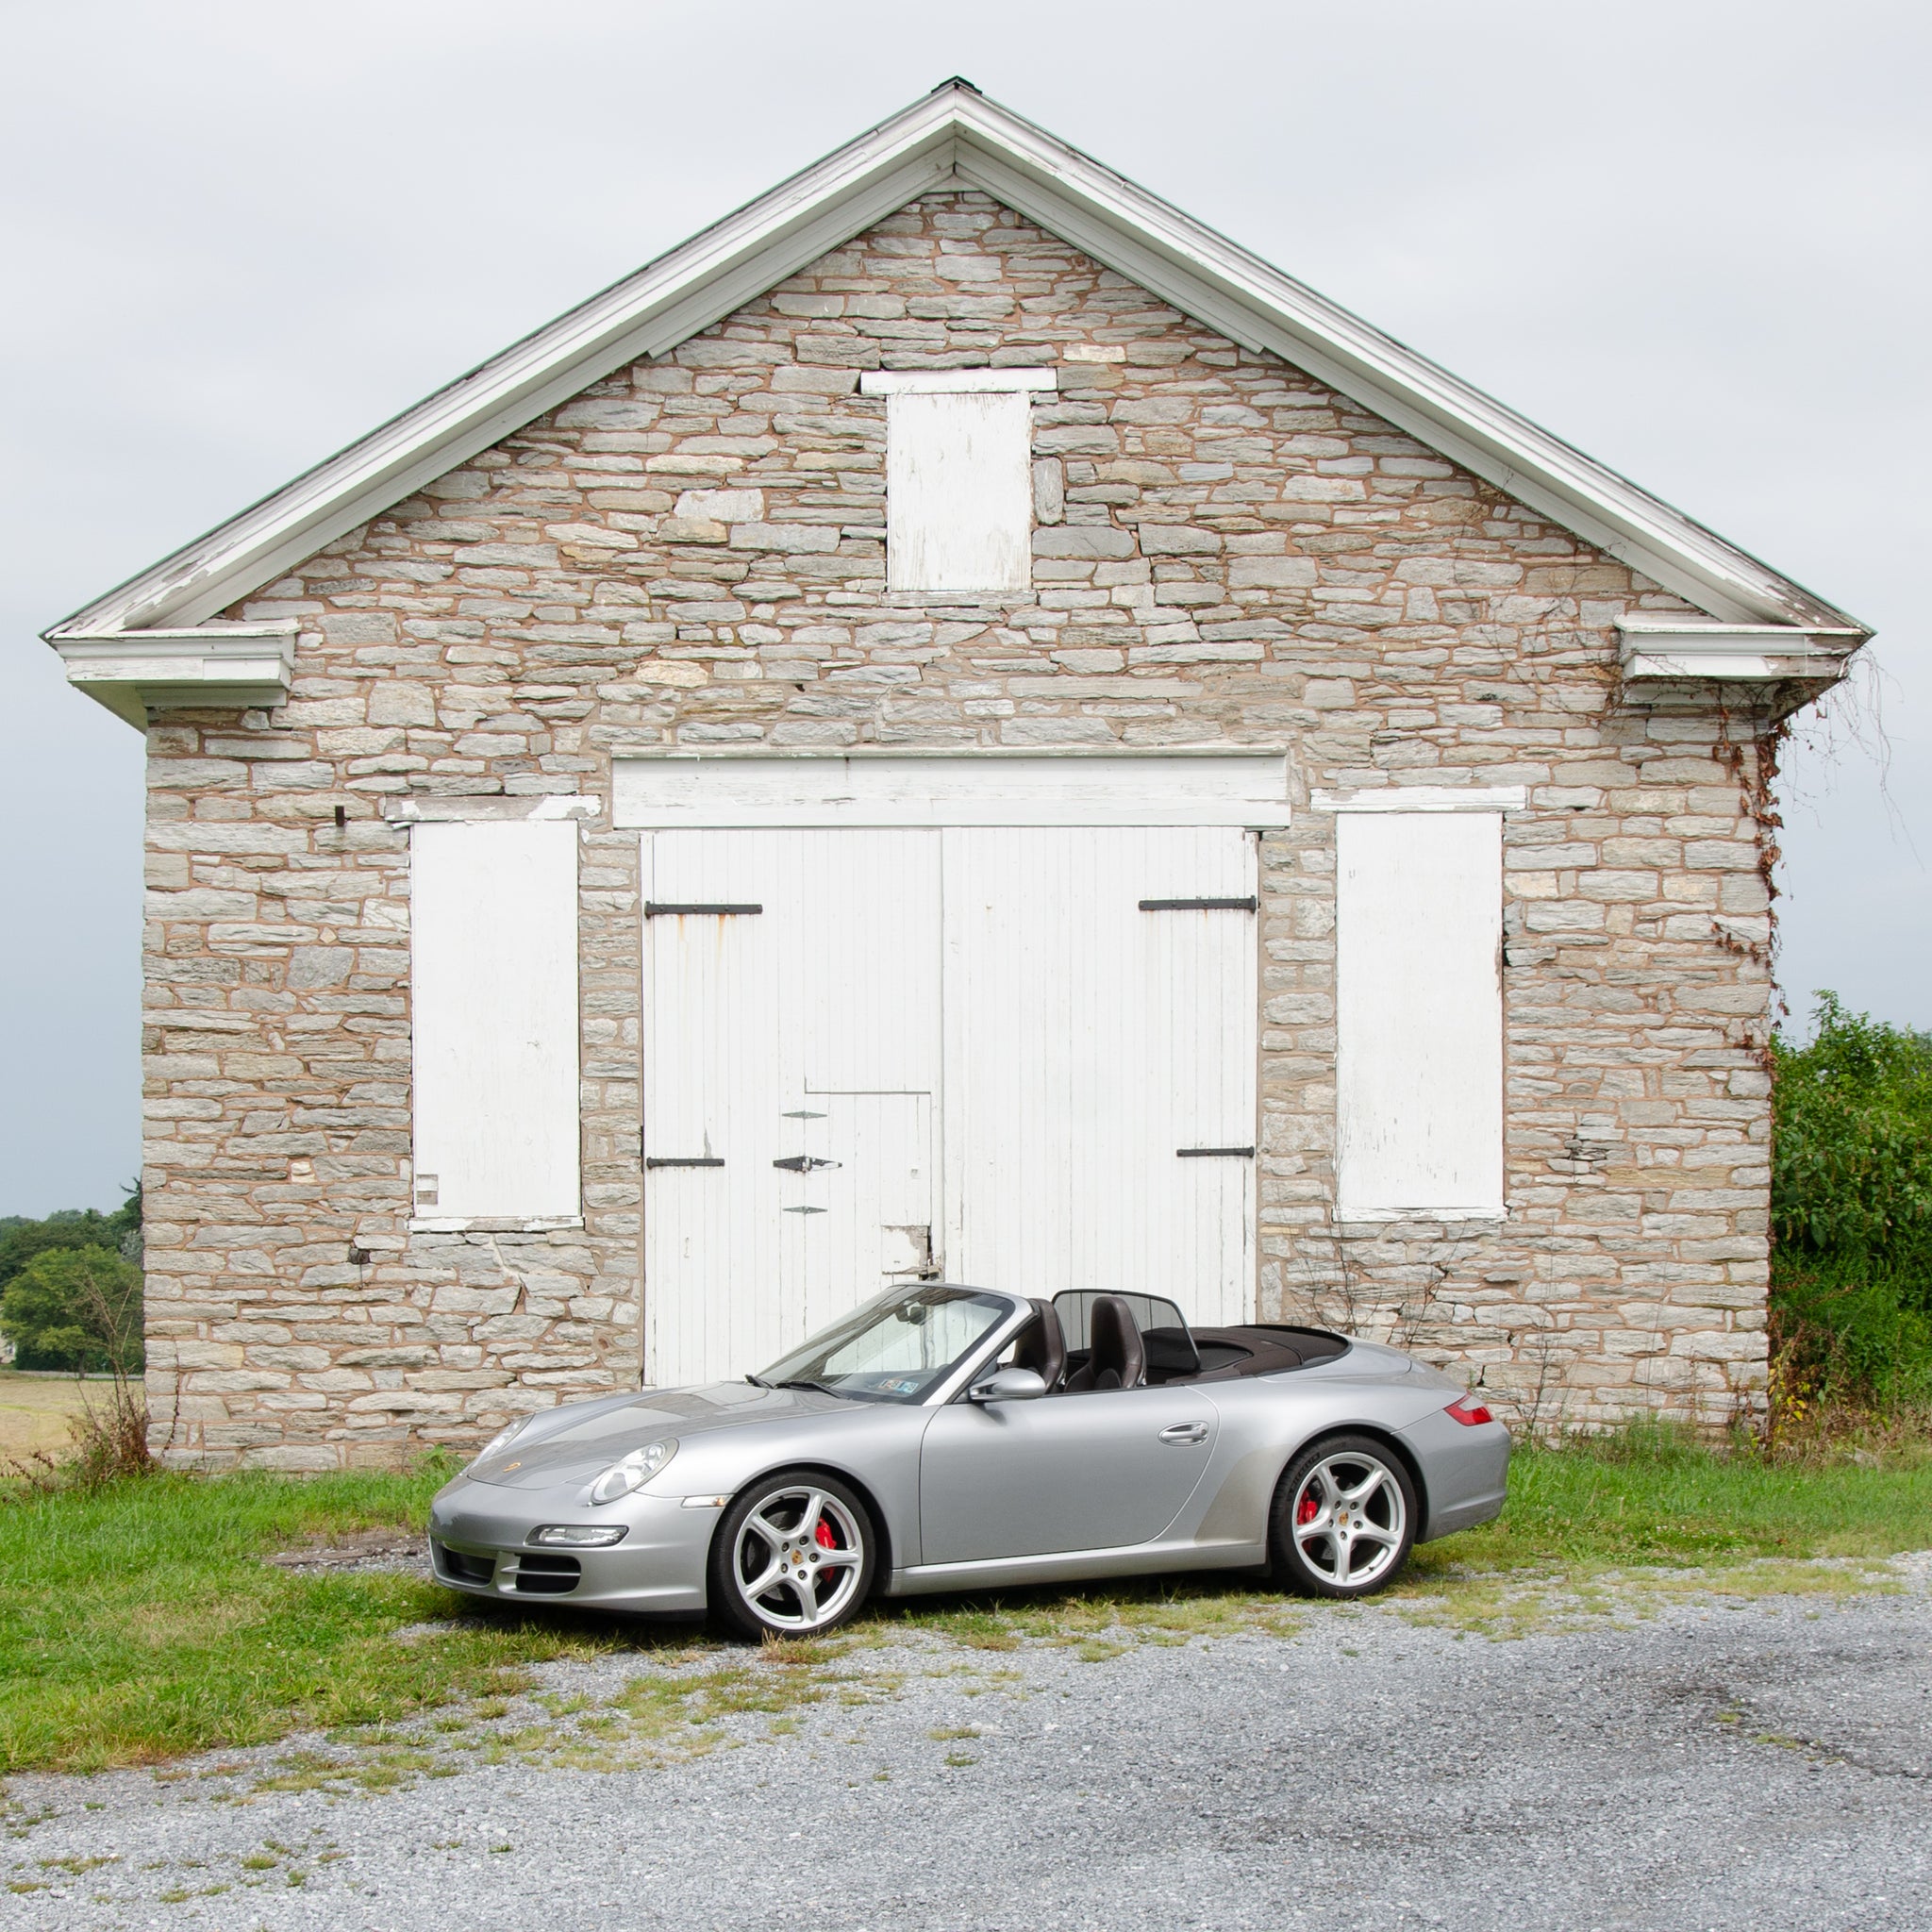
139, 1623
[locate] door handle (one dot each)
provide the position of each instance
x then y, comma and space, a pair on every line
1185, 1432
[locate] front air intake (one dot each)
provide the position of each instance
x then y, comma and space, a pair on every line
547, 1576
458, 1566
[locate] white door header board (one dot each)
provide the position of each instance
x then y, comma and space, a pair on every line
1218, 788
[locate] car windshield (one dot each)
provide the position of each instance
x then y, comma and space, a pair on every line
894, 1349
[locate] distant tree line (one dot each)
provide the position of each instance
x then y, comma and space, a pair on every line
70, 1288
1851, 1196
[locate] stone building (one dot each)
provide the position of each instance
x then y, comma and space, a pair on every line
957, 723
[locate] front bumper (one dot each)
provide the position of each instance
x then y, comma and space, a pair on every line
479, 1542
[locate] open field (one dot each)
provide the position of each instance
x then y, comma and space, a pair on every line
35, 1411
141, 1622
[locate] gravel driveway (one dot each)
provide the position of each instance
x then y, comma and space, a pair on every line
1763, 1764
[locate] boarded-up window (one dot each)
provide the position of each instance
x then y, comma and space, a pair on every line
958, 492
493, 993
1419, 1101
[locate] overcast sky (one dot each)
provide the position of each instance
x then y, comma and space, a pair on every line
1691, 238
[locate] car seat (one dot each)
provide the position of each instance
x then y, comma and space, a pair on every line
1043, 1346
1115, 1356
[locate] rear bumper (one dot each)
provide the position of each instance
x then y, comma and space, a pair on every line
479, 1544
1465, 1471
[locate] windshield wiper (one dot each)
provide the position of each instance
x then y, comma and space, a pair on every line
803, 1383
757, 1381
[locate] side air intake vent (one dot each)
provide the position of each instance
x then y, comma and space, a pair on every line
460, 1567
547, 1576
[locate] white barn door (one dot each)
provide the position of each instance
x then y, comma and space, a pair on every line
1100, 1026
1023, 1058
790, 1065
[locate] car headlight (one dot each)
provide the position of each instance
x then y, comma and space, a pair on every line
581, 1536
502, 1439
633, 1472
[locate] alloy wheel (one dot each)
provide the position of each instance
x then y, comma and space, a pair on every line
1349, 1519
798, 1558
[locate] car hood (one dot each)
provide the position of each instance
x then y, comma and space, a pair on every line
578, 1442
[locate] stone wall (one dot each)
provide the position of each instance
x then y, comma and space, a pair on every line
692, 552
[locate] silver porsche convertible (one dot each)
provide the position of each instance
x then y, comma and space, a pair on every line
946, 1437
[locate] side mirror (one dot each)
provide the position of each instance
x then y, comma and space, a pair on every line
1007, 1385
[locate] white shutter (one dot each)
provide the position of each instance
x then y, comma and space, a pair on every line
493, 1026
1419, 1051
960, 491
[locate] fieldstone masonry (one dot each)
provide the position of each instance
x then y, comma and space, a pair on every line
691, 553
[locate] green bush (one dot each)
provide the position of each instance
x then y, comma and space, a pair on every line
75, 1308
1851, 1197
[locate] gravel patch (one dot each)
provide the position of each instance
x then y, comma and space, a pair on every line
1750, 1764
362, 1552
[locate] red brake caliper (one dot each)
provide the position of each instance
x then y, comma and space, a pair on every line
823, 1536
1308, 1509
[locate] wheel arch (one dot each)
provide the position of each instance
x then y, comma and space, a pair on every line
1376, 1432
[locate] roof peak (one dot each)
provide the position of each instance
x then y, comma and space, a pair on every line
954, 132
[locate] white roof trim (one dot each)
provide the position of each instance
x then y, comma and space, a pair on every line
954, 132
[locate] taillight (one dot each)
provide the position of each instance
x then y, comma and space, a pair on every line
1467, 1410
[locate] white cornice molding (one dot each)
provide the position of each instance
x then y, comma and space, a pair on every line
134, 673
1676, 650
955, 133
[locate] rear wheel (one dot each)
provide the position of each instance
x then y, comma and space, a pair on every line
794, 1557
1344, 1519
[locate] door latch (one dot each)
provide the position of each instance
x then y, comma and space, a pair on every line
804, 1163
1183, 1432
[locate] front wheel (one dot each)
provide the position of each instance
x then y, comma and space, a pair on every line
1344, 1519
794, 1557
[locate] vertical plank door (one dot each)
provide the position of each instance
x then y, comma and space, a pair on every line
796, 1048
1099, 1080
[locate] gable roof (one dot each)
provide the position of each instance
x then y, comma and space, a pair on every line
954, 132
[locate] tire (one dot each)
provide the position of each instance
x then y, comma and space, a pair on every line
808, 1541
1344, 1519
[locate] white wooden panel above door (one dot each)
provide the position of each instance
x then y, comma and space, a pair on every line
1214, 787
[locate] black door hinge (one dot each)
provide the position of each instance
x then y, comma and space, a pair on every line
1197, 905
